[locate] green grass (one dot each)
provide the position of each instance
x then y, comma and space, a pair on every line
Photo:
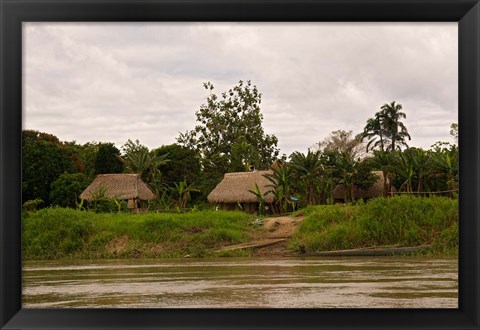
61, 233
402, 220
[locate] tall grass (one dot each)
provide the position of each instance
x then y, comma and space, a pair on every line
401, 220
54, 233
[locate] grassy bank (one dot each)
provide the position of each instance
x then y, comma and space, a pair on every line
403, 220
55, 233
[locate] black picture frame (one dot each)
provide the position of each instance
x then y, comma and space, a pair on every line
14, 12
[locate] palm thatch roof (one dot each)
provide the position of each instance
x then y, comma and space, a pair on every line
375, 190
119, 186
234, 188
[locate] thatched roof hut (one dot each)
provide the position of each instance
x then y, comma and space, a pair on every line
234, 189
376, 190
119, 186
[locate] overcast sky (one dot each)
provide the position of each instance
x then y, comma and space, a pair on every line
113, 82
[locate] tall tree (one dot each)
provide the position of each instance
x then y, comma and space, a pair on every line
44, 159
230, 130
396, 130
108, 159
386, 130
375, 133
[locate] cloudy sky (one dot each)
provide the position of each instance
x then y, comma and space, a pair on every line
113, 82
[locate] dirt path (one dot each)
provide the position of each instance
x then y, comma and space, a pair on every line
273, 237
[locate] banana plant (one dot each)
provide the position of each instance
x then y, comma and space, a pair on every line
280, 186
260, 198
183, 191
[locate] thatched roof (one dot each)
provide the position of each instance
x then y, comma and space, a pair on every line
119, 186
375, 190
234, 188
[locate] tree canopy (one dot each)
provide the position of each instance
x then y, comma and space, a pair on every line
44, 158
385, 131
229, 136
108, 159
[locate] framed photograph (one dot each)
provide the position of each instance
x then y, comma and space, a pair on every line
100, 207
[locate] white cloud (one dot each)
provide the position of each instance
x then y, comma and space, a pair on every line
112, 82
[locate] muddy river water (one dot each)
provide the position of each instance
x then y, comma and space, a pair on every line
358, 282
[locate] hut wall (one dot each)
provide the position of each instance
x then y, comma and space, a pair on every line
131, 204
250, 207
227, 206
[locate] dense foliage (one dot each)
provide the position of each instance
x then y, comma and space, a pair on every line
229, 137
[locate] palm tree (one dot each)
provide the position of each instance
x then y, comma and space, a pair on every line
308, 169
347, 167
393, 127
405, 171
372, 130
139, 160
421, 165
445, 164
386, 130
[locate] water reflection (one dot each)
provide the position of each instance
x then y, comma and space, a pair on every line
358, 282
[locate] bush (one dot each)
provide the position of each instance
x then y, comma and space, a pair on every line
67, 188
32, 205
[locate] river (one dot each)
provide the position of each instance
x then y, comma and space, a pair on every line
346, 282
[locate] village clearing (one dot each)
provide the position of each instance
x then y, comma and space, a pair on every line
272, 238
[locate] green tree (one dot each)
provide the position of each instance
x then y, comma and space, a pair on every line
386, 130
375, 133
352, 173
280, 185
44, 158
445, 166
308, 172
221, 121
346, 166
108, 159
396, 130
182, 163
183, 190
138, 159
87, 154
260, 198
67, 189
405, 171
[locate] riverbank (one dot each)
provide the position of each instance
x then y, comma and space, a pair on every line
61, 233
57, 233
402, 221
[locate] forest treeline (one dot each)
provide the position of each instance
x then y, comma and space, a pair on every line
229, 137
